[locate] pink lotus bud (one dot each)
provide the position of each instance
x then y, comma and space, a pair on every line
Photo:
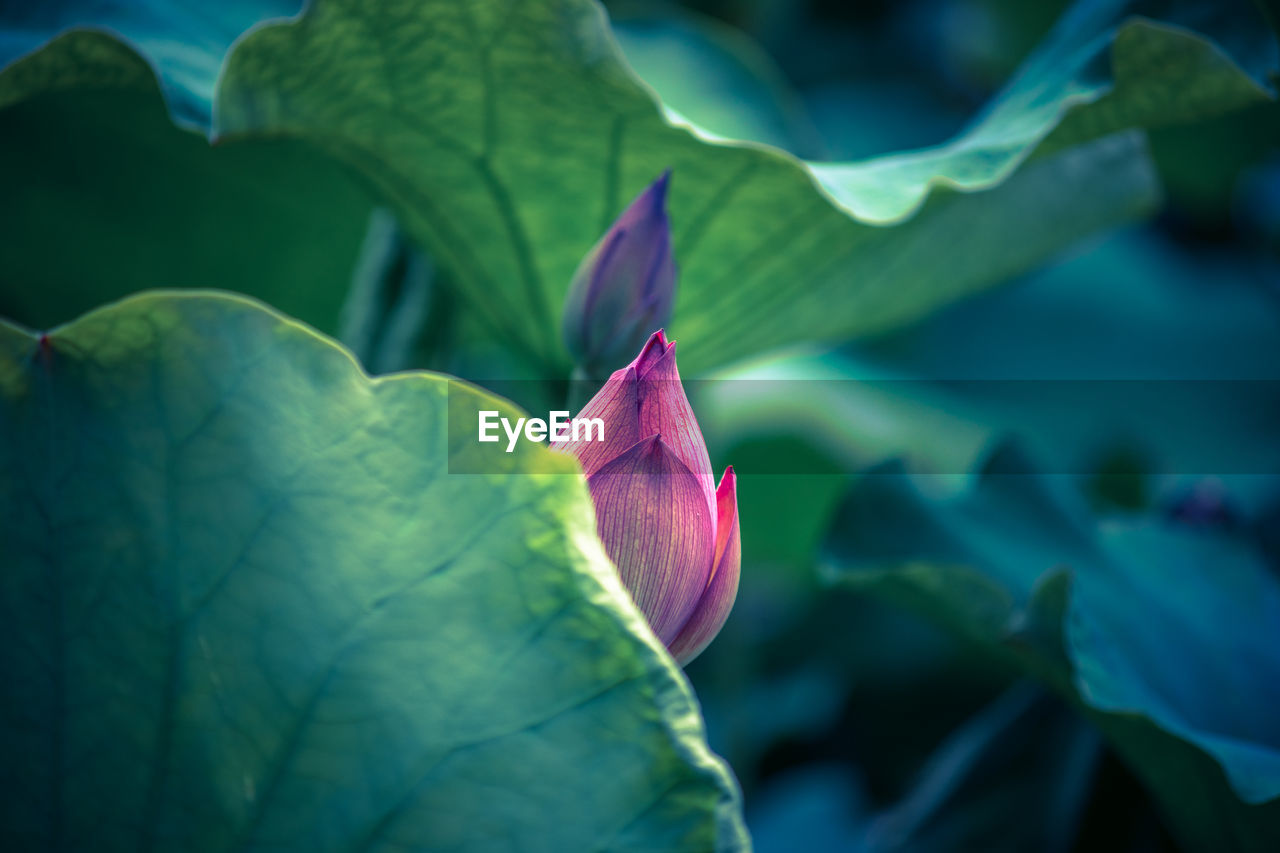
624, 286
671, 532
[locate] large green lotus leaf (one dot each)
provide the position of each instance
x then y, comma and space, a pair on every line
508, 137
246, 605
1159, 74
1164, 636
1133, 308
103, 193
183, 42
716, 77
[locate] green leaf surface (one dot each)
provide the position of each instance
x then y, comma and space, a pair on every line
1159, 74
183, 43
716, 77
103, 194
247, 605
507, 138
1164, 636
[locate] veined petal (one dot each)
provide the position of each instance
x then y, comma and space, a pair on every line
643, 399
617, 405
653, 521
717, 600
664, 409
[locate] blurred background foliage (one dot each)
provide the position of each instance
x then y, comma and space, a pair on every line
888, 727
1023, 623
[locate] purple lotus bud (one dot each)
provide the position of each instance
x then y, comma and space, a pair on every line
625, 285
670, 531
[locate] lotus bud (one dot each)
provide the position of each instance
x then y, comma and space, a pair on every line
672, 533
624, 286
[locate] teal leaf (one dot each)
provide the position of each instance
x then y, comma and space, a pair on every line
391, 300
1063, 94
1024, 360
1197, 655
506, 138
1162, 635
709, 74
183, 46
247, 605
1025, 754
104, 195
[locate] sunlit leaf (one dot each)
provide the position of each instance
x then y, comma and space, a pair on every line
507, 137
247, 605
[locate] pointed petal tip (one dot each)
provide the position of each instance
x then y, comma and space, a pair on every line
727, 530
717, 599
661, 337
660, 184
651, 203
652, 352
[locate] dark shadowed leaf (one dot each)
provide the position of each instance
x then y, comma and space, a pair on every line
1163, 635
182, 42
1024, 754
103, 195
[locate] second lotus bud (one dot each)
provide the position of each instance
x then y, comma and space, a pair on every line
624, 287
